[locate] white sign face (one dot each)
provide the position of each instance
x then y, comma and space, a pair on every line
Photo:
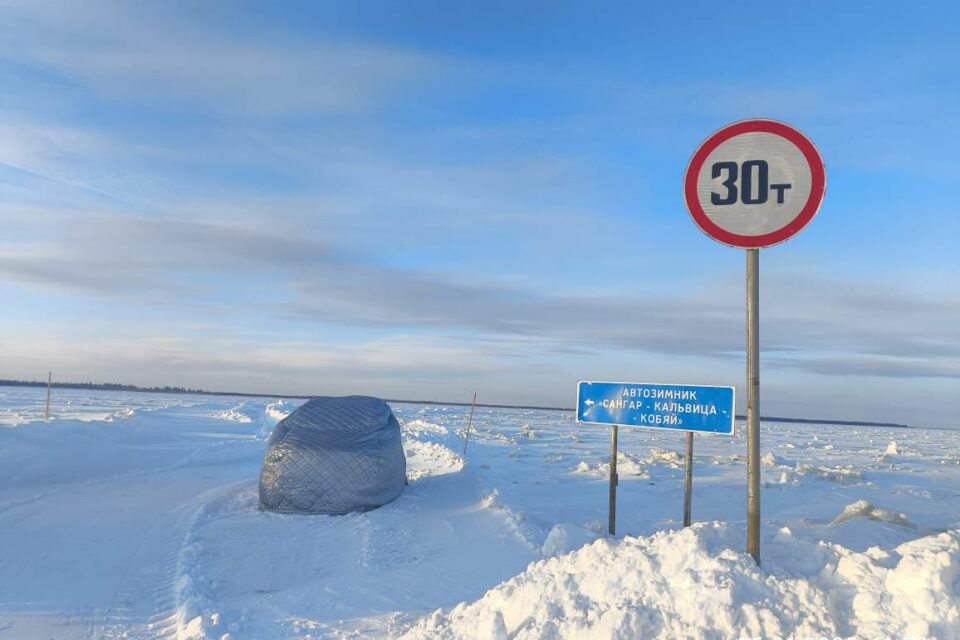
754, 184
763, 178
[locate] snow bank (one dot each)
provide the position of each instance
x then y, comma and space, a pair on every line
278, 410
690, 583
233, 415
425, 459
665, 456
630, 465
126, 412
838, 473
419, 427
627, 465
564, 538
863, 509
770, 459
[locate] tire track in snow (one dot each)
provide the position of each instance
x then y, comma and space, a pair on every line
150, 603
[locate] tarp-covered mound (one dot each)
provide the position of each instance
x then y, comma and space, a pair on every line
333, 455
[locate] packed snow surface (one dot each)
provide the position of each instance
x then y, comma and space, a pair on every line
133, 515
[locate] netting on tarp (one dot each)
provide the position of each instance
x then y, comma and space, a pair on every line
333, 455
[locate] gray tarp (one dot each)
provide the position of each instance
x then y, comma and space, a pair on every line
333, 455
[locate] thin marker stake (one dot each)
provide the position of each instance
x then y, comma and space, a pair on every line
46, 414
466, 438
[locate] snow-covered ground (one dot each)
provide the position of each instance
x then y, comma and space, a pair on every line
135, 516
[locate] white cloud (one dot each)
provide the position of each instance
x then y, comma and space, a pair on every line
811, 321
146, 53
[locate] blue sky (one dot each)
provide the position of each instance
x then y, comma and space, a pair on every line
424, 200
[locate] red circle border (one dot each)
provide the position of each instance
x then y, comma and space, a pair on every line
817, 187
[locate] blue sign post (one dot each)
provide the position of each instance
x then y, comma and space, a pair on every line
678, 407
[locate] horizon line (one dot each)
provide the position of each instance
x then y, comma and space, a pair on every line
117, 386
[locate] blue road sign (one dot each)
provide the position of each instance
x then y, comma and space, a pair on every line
679, 407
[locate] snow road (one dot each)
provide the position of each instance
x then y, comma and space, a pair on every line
135, 516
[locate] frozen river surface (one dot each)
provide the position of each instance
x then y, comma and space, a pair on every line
134, 515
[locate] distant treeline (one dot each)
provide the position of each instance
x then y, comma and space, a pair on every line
116, 386
102, 386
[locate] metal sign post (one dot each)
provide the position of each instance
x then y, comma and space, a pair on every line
677, 407
753, 403
614, 480
688, 481
750, 185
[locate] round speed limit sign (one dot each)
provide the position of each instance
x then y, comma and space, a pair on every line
754, 184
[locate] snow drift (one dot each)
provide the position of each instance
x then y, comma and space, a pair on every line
691, 584
333, 456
